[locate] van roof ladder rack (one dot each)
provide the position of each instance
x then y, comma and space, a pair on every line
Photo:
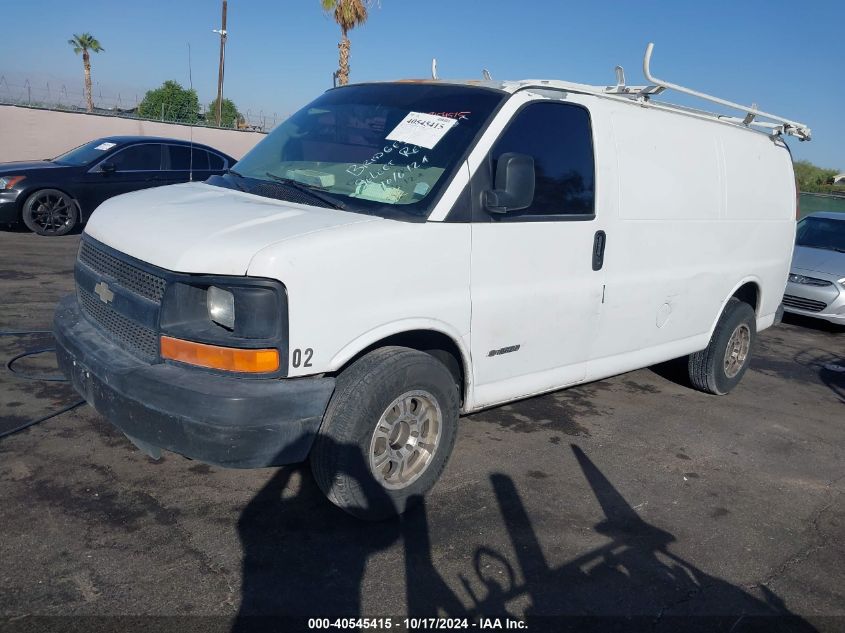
639, 92
776, 124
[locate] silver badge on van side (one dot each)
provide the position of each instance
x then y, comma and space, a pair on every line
504, 350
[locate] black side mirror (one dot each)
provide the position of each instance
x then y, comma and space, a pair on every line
107, 168
514, 186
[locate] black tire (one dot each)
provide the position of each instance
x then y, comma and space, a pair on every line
712, 370
50, 212
364, 393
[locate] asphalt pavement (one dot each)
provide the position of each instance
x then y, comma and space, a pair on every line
634, 497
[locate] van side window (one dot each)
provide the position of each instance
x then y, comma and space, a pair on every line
559, 138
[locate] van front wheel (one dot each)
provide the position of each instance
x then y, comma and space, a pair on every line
720, 366
388, 432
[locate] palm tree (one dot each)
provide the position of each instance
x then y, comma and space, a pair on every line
83, 44
348, 14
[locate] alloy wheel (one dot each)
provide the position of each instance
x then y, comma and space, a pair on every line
737, 350
52, 211
405, 439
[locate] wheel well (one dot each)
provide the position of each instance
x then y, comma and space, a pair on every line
437, 344
749, 293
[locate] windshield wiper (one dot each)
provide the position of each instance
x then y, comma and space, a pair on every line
823, 248
239, 175
334, 203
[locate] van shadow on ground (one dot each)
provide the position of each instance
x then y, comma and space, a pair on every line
303, 557
829, 367
828, 363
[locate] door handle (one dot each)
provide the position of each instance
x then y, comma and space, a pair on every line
599, 241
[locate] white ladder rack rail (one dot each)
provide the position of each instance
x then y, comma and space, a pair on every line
780, 124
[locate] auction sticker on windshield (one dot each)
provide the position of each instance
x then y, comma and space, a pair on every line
423, 130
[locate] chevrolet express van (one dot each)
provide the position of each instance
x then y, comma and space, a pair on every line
398, 254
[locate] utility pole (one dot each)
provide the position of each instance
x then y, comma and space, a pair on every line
223, 34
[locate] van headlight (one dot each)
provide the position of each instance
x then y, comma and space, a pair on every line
221, 307
218, 322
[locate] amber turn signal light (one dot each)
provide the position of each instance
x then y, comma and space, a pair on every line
216, 357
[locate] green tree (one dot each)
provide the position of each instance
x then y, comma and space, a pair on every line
348, 14
171, 102
86, 44
812, 178
230, 116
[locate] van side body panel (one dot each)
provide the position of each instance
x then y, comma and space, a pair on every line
703, 208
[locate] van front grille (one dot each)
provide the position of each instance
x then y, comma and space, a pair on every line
135, 338
801, 303
124, 274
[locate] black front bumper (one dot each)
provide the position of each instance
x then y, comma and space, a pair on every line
9, 207
221, 420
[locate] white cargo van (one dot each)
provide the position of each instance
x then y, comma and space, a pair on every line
397, 254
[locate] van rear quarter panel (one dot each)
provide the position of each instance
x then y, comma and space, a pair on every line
703, 208
760, 203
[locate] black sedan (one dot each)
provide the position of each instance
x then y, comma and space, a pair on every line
52, 196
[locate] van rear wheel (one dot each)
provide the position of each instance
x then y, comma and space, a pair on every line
719, 367
388, 432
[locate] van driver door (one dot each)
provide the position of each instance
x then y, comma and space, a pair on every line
537, 272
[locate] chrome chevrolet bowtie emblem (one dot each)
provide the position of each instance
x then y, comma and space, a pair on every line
104, 292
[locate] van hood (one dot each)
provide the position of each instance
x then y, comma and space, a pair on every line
819, 260
200, 228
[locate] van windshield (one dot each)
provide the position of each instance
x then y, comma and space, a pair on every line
824, 233
386, 149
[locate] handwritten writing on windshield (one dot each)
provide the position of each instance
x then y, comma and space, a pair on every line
401, 149
388, 167
394, 170
372, 169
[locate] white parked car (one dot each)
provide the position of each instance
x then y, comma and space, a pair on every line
397, 254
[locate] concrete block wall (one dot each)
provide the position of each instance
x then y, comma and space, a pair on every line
34, 134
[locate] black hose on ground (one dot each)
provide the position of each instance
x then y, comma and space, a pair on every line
23, 332
38, 377
44, 418
20, 374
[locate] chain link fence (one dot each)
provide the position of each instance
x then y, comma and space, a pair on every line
49, 96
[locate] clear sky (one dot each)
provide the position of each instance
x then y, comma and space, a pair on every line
788, 57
